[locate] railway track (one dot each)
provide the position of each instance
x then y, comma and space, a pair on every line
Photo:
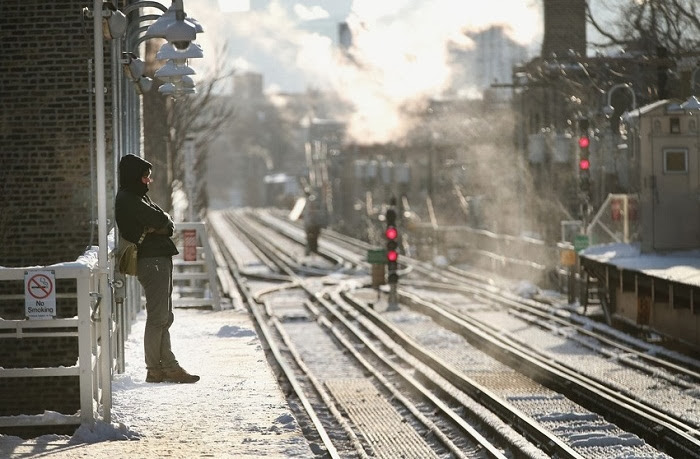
451, 369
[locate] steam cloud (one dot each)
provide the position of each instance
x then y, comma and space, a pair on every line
399, 50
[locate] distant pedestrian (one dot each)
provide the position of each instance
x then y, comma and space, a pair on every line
314, 221
137, 215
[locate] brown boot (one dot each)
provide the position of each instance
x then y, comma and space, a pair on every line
154, 375
178, 375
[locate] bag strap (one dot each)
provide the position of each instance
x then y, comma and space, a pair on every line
143, 236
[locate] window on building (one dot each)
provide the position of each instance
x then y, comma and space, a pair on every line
675, 125
675, 161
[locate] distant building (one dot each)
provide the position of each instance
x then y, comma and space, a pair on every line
495, 54
248, 85
663, 141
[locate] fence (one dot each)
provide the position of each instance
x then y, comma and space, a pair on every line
100, 346
195, 281
516, 256
93, 347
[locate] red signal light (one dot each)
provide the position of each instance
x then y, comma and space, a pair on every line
392, 255
391, 233
584, 142
584, 164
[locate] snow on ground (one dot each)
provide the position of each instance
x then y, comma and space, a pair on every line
235, 410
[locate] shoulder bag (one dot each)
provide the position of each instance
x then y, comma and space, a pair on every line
127, 254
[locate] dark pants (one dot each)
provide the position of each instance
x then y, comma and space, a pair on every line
156, 277
312, 234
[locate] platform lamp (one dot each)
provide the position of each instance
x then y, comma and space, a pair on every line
180, 31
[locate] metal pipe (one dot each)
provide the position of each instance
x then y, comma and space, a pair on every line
102, 255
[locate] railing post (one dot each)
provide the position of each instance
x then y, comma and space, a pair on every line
87, 410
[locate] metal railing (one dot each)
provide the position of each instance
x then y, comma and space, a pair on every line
617, 220
100, 346
195, 279
92, 346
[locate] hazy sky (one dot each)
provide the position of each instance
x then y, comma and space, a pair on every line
402, 42
400, 47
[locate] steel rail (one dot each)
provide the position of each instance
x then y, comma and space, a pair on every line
551, 443
660, 429
269, 340
487, 446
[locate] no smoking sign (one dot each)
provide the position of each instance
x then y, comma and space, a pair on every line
39, 294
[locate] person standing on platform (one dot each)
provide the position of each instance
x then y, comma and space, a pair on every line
313, 222
141, 221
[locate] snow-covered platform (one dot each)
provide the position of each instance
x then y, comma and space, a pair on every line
682, 266
236, 410
658, 291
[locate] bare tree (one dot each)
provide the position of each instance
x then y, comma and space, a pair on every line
200, 117
649, 26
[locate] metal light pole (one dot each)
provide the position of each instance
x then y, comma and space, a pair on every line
103, 269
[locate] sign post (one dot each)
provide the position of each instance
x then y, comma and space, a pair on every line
377, 258
39, 294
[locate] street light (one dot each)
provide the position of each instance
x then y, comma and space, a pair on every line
171, 69
113, 22
180, 32
159, 29
608, 110
134, 68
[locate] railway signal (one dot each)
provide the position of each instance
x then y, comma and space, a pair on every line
392, 246
584, 162
392, 254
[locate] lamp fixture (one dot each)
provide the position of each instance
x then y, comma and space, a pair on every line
186, 82
171, 69
169, 51
113, 22
134, 67
178, 88
144, 84
181, 34
159, 28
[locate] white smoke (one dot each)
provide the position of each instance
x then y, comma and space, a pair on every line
399, 49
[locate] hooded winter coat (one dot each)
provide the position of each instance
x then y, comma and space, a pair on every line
134, 211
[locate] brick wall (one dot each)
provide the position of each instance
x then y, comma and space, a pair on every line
45, 120
47, 201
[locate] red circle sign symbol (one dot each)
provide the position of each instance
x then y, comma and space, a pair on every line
40, 286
